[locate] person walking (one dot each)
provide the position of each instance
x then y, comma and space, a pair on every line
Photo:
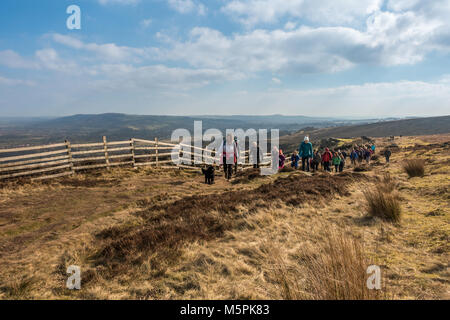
326, 159
305, 152
387, 154
342, 163
354, 156
317, 159
229, 156
237, 153
294, 160
368, 154
360, 155
336, 161
275, 159
255, 155
281, 160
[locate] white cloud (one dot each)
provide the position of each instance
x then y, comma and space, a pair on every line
276, 80
187, 6
15, 82
403, 98
108, 51
50, 59
117, 76
290, 25
387, 38
326, 12
11, 59
378, 99
145, 23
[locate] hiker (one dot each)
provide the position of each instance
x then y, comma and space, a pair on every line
305, 152
326, 159
229, 155
360, 155
342, 163
281, 160
368, 155
295, 159
353, 157
336, 161
316, 160
387, 154
237, 152
275, 155
255, 155
373, 148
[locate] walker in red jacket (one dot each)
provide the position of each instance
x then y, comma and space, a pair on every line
326, 159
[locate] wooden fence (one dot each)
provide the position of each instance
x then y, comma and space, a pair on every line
64, 159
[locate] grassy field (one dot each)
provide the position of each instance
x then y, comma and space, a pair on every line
154, 234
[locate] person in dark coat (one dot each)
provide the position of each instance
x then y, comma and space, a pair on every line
387, 155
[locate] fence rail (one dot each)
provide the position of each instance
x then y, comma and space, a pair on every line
64, 159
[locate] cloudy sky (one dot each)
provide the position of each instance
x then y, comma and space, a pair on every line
344, 58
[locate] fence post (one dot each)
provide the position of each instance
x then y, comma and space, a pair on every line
132, 153
69, 154
105, 147
156, 152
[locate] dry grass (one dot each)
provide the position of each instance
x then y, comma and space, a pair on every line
387, 183
271, 243
382, 201
334, 271
205, 217
414, 167
383, 205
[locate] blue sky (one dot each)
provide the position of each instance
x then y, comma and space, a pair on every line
358, 58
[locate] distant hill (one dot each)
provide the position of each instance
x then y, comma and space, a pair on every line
91, 128
407, 127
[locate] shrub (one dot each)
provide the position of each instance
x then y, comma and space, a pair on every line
414, 167
384, 205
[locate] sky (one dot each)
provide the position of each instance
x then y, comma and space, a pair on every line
339, 58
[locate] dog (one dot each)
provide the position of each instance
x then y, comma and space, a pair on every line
209, 174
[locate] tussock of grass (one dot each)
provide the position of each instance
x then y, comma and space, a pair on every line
19, 288
384, 205
338, 271
414, 167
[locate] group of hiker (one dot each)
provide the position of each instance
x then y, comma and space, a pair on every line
310, 159
328, 159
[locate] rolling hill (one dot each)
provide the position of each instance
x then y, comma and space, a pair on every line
407, 127
90, 128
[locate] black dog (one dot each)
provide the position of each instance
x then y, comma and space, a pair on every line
209, 174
